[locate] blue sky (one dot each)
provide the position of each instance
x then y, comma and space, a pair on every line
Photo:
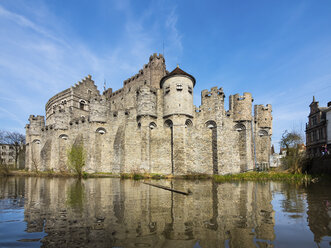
280, 51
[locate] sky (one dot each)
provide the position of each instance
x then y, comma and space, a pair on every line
280, 51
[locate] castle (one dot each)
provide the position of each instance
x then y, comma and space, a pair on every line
151, 125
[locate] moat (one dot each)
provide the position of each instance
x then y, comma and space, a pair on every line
110, 212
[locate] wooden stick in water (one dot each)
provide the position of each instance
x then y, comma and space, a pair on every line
170, 189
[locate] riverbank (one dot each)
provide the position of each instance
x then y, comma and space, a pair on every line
247, 176
263, 176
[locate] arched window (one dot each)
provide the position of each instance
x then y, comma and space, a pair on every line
211, 124
36, 141
152, 125
82, 104
263, 133
188, 123
168, 123
63, 136
239, 127
101, 130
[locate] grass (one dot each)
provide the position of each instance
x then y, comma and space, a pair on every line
196, 176
261, 176
248, 176
139, 176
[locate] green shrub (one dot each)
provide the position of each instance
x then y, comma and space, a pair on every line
76, 158
137, 176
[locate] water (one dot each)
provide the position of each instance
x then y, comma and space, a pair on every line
109, 212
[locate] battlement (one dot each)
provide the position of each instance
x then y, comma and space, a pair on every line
38, 118
156, 57
156, 62
262, 115
35, 124
213, 99
215, 91
241, 106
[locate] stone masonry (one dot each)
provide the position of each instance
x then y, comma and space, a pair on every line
151, 126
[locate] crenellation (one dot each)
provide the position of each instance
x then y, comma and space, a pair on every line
241, 106
262, 116
150, 125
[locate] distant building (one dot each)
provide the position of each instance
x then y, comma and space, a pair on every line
7, 154
328, 126
318, 129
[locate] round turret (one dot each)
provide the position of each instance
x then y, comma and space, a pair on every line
177, 93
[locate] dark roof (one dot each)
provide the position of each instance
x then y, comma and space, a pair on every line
176, 72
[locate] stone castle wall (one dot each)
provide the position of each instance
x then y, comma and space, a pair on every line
145, 128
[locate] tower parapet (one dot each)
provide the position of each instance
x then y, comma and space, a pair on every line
150, 74
241, 106
35, 125
157, 69
262, 116
146, 101
212, 100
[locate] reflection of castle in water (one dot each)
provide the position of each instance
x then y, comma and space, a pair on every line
130, 214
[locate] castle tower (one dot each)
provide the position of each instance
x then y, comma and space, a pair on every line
98, 109
263, 132
157, 69
241, 106
33, 141
146, 115
263, 117
241, 109
33, 129
177, 89
61, 119
212, 101
177, 93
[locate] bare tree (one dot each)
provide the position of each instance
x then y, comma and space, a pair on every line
2, 136
293, 160
2, 140
17, 140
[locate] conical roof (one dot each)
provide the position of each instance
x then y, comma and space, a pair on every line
176, 72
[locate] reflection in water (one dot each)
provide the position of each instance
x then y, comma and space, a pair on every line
111, 212
76, 195
319, 211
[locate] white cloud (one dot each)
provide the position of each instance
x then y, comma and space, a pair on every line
38, 60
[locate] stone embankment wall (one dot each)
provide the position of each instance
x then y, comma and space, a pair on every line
320, 165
